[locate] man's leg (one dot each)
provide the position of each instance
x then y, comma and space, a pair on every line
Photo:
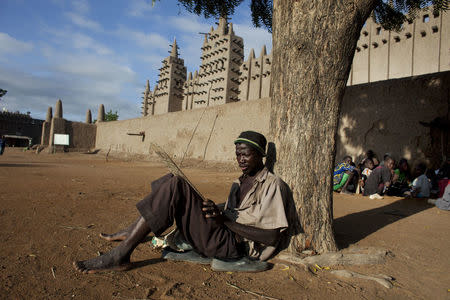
380, 189
175, 201
120, 235
344, 187
172, 199
118, 259
344, 179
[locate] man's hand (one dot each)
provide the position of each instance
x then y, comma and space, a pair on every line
210, 210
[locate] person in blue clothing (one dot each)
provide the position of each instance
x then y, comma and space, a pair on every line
343, 175
2, 144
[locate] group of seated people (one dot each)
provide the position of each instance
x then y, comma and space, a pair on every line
388, 177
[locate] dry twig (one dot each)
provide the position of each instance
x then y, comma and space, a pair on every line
77, 227
174, 169
250, 292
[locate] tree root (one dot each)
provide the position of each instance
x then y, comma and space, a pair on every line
384, 280
348, 257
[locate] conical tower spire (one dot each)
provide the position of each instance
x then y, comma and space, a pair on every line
252, 54
49, 116
230, 30
88, 117
58, 109
174, 52
101, 113
222, 25
263, 51
205, 40
147, 87
190, 76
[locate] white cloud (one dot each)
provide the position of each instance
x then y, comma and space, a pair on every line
151, 40
253, 38
81, 41
189, 24
67, 38
81, 6
88, 66
138, 8
83, 22
8, 44
82, 81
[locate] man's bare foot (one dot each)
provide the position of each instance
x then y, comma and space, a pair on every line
107, 262
118, 236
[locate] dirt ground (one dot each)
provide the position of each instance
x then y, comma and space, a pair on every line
52, 208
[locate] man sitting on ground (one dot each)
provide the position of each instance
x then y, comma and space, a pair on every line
380, 179
400, 181
421, 185
240, 238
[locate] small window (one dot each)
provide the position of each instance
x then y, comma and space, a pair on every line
358, 49
365, 33
436, 14
408, 35
378, 30
423, 33
396, 38
384, 41
426, 18
375, 45
365, 46
410, 21
435, 29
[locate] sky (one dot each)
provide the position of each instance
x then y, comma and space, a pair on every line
92, 52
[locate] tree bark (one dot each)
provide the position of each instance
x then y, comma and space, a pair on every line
313, 46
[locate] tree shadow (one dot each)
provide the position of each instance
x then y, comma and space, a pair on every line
25, 165
354, 227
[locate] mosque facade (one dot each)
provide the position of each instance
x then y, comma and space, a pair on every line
421, 47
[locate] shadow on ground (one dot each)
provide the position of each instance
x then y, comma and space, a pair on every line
354, 227
22, 165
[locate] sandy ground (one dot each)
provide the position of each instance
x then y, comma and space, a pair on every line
52, 208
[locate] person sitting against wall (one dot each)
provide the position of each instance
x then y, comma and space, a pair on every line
443, 202
241, 237
401, 179
368, 168
421, 185
369, 155
379, 180
343, 175
2, 144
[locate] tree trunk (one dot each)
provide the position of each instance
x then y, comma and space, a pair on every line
313, 47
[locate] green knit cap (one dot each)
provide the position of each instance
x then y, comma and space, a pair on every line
254, 139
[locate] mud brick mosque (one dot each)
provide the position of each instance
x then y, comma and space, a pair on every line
396, 100
225, 77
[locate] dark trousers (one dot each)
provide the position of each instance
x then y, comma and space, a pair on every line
173, 200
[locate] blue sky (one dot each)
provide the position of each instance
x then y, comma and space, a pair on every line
91, 52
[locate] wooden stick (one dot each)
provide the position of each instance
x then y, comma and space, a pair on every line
251, 293
172, 166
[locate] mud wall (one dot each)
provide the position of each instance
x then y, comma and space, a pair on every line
386, 117
202, 133
382, 116
81, 135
